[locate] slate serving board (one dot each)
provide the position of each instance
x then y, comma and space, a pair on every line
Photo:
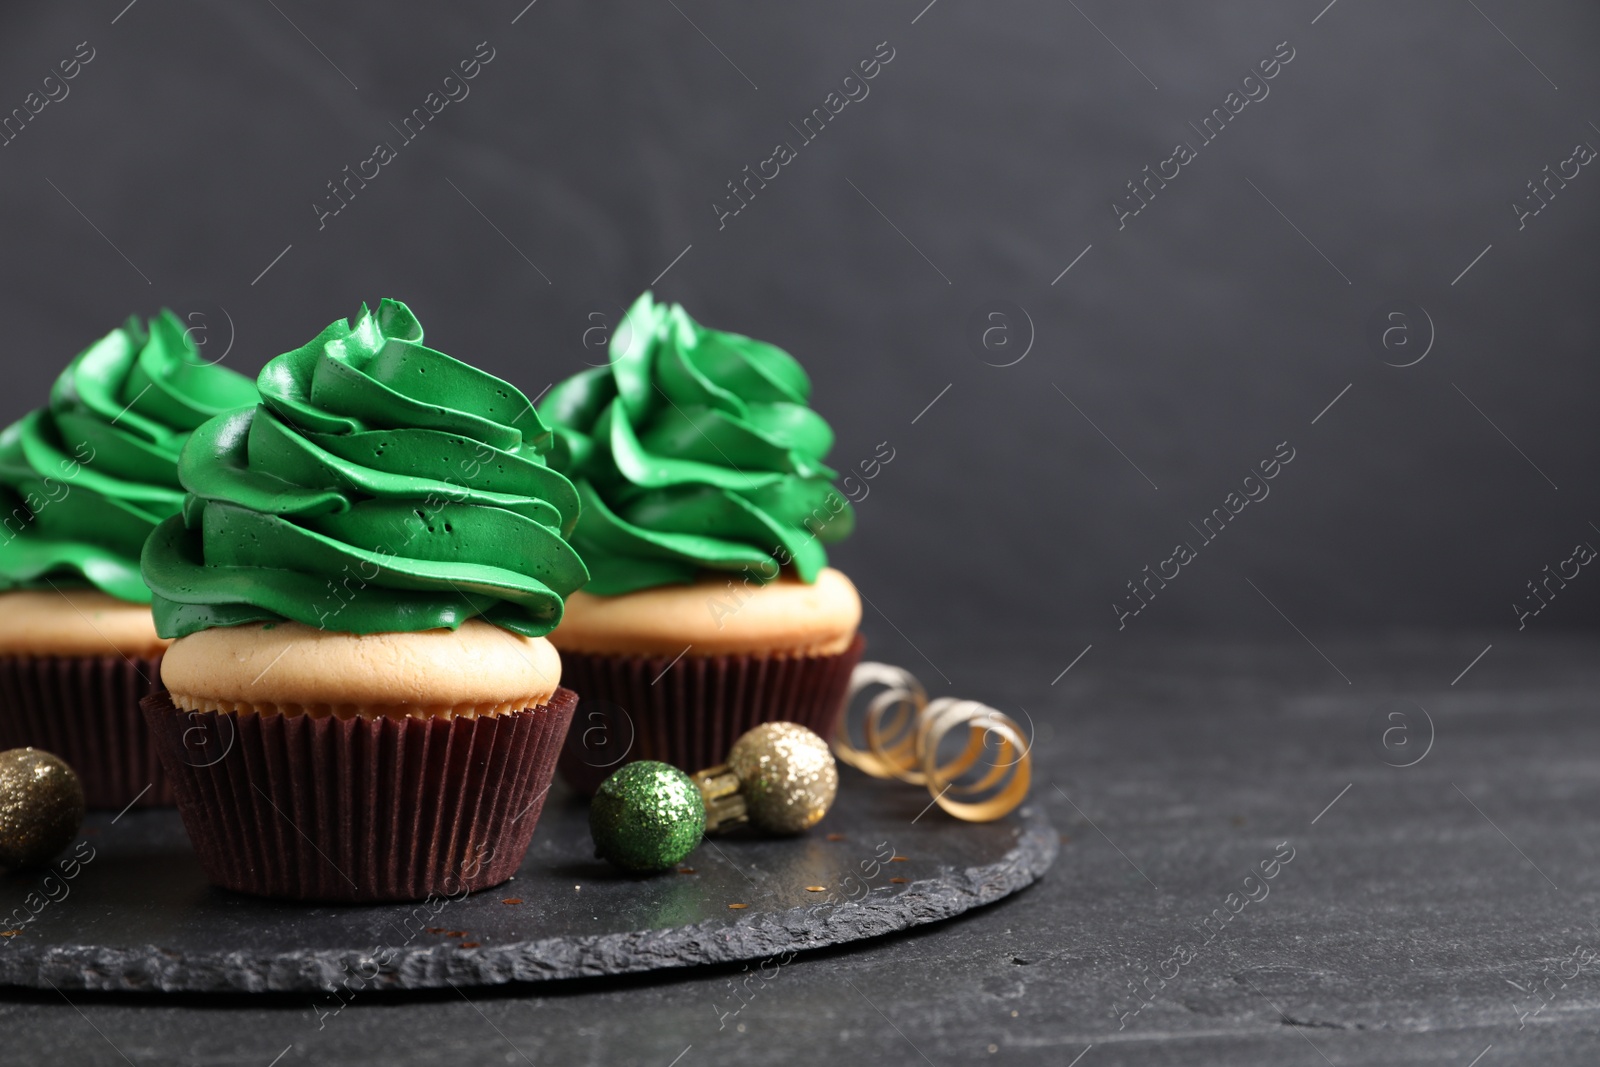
139, 915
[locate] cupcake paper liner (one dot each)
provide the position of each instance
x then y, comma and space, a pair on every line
689, 713
85, 709
322, 808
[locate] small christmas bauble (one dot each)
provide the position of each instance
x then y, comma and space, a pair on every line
646, 817
788, 776
41, 807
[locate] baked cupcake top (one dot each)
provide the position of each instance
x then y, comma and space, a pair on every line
379, 486
85, 479
694, 450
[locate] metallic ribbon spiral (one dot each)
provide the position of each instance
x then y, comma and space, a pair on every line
903, 732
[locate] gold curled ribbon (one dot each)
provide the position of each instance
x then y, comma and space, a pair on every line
904, 733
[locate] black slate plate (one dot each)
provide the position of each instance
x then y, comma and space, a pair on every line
139, 915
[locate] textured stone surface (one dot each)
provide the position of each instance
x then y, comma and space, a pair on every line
139, 916
1392, 937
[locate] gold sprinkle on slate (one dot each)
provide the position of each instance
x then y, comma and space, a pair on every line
898, 881
435, 929
512, 900
469, 944
900, 859
738, 907
835, 837
9, 933
816, 889
685, 870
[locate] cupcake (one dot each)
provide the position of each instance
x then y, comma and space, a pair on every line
83, 481
706, 509
359, 701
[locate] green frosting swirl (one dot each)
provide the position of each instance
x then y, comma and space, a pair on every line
693, 450
379, 486
84, 480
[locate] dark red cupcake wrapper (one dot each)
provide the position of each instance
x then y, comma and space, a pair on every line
690, 711
319, 808
85, 709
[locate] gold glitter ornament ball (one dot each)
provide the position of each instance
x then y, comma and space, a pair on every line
41, 807
788, 774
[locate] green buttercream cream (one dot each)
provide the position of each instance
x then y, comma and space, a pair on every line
84, 480
379, 486
694, 450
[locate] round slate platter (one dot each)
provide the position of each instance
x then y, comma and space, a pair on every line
139, 915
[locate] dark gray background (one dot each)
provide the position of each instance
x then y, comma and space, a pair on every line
1197, 338
991, 549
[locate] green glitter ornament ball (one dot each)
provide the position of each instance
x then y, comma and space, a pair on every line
646, 817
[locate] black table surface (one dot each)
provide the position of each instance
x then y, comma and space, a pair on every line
1261, 862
